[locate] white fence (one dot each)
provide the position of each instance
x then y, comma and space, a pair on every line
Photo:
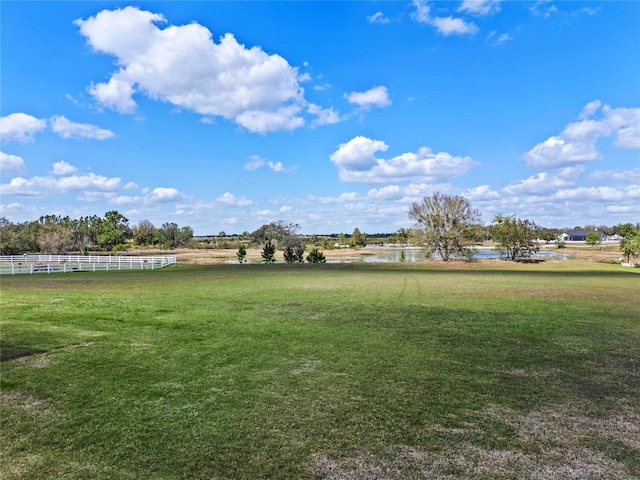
15, 264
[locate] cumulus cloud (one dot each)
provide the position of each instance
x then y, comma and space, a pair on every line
230, 199
479, 7
184, 66
453, 26
357, 163
11, 163
324, 116
62, 168
20, 127
627, 176
68, 129
577, 142
46, 185
539, 184
443, 25
374, 97
257, 162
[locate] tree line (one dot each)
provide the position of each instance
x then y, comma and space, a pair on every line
446, 225
54, 234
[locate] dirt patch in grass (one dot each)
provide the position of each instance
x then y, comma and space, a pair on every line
554, 446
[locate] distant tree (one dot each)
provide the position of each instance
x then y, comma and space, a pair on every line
114, 230
445, 224
144, 233
593, 239
626, 229
515, 237
242, 253
16, 238
185, 236
269, 252
630, 245
55, 239
299, 254
316, 256
289, 254
274, 232
358, 239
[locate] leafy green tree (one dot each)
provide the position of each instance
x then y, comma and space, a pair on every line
16, 238
593, 239
242, 253
316, 256
144, 233
358, 239
269, 252
515, 237
445, 224
626, 229
114, 230
274, 232
630, 245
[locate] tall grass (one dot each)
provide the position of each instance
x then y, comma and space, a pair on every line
336, 371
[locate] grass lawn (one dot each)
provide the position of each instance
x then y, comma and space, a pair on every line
333, 371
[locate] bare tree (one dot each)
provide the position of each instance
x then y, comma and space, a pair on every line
446, 224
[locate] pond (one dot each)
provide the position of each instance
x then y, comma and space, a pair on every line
417, 255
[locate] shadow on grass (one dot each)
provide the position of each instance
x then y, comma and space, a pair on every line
430, 268
11, 352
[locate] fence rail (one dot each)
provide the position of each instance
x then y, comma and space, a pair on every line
16, 264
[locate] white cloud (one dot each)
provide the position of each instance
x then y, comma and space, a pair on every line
324, 116
357, 163
255, 163
68, 129
62, 168
278, 167
183, 66
230, 199
479, 7
164, 194
577, 142
627, 176
358, 153
421, 12
494, 39
11, 163
20, 127
453, 26
47, 185
444, 25
385, 193
378, 18
481, 192
374, 97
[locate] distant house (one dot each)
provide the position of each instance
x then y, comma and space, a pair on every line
580, 235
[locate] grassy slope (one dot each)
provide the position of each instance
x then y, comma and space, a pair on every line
339, 371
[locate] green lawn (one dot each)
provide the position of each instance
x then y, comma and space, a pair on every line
330, 371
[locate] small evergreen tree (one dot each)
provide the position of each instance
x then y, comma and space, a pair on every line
299, 254
316, 256
289, 254
269, 252
242, 253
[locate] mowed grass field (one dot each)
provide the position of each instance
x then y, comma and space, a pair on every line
486, 371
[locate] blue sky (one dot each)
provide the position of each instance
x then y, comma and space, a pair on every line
334, 115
